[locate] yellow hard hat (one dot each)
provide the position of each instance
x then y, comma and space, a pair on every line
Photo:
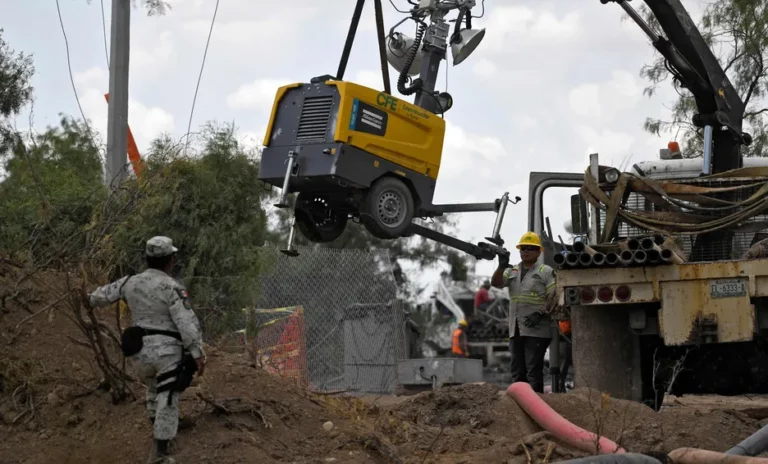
463, 323
529, 239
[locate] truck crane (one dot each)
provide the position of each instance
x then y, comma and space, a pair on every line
354, 153
648, 326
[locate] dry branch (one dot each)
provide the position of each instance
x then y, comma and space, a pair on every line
229, 406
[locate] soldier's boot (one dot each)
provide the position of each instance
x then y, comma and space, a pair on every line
160, 453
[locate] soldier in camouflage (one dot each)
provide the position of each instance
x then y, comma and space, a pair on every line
160, 305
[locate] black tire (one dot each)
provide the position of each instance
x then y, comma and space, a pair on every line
317, 220
388, 209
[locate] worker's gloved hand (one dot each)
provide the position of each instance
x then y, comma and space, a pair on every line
532, 320
503, 261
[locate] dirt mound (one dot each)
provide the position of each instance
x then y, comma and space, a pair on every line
468, 423
52, 410
639, 429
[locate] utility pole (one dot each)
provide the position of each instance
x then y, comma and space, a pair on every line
117, 117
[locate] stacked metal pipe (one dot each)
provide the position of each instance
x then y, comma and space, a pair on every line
634, 251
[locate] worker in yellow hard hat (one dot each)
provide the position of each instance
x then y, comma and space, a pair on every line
530, 326
459, 340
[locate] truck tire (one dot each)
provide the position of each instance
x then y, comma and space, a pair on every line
606, 355
317, 220
388, 208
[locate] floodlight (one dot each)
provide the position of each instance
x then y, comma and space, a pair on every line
464, 43
398, 45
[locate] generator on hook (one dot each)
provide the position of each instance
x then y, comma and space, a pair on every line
350, 152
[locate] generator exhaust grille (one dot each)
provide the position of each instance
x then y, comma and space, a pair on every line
315, 115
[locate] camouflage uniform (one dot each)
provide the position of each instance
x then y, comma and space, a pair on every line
157, 301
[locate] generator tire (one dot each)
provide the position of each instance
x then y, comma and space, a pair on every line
317, 220
389, 208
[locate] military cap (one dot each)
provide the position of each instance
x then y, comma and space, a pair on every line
160, 246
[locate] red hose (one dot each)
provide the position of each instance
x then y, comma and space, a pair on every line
556, 424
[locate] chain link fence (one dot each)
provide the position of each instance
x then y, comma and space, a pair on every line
329, 318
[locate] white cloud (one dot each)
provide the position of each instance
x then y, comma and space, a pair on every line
484, 68
91, 76
603, 100
150, 54
508, 26
257, 94
146, 122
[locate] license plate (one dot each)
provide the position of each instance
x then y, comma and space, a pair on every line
726, 288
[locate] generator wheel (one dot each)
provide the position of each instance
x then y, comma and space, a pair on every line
317, 220
388, 210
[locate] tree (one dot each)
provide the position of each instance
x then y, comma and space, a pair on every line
737, 31
51, 188
16, 70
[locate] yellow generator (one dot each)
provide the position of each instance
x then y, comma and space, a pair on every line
351, 152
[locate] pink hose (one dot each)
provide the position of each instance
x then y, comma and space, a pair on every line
556, 424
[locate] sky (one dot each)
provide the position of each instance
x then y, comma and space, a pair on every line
552, 82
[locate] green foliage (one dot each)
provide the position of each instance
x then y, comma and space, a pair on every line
737, 31
16, 71
51, 189
210, 206
57, 212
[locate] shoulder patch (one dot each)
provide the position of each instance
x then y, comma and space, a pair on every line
184, 295
513, 273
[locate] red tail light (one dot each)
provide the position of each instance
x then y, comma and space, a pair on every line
623, 293
605, 294
587, 294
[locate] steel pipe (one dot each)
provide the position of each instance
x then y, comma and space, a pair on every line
559, 259
654, 257
598, 259
627, 257
572, 259
612, 259
633, 244
669, 256
640, 257
585, 260
753, 445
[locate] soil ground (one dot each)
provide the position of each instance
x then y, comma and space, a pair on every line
51, 411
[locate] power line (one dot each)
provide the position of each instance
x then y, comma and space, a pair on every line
104, 33
200, 76
72, 78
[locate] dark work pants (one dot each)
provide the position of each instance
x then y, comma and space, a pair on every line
528, 359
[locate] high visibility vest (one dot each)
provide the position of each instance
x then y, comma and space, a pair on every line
456, 347
528, 295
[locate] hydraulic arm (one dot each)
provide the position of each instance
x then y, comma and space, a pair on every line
720, 109
695, 67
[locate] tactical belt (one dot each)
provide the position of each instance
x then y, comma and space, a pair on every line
131, 342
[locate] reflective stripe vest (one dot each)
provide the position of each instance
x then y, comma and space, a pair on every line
456, 346
528, 295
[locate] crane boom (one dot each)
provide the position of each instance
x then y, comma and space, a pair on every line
720, 109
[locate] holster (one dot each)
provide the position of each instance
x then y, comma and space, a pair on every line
131, 341
184, 373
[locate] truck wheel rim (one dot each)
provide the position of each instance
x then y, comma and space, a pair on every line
390, 209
